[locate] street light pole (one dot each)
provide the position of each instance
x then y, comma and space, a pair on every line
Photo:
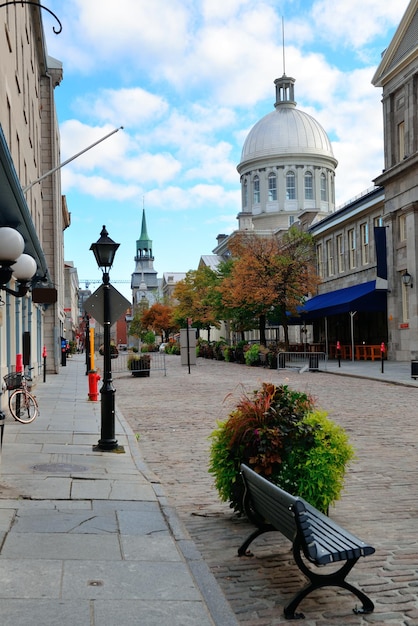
107, 440
104, 250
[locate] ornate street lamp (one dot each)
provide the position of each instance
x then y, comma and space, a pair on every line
14, 263
104, 251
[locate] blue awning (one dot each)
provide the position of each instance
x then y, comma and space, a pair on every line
363, 297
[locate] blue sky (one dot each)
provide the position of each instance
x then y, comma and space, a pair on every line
187, 79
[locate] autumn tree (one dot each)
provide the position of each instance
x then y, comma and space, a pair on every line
270, 274
159, 318
198, 298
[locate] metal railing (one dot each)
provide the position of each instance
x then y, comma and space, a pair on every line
303, 361
120, 364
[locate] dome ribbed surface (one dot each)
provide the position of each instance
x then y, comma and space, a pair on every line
286, 130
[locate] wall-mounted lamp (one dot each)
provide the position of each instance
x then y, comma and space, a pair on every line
407, 279
14, 263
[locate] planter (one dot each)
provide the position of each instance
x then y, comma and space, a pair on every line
140, 373
140, 366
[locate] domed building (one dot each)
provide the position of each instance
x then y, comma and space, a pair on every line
287, 166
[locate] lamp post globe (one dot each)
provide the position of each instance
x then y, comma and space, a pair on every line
12, 244
24, 268
13, 262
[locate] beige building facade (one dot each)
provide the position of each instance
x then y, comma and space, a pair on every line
29, 148
397, 76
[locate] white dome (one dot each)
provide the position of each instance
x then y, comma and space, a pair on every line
283, 131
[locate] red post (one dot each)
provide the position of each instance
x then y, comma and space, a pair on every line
19, 363
44, 355
382, 354
339, 353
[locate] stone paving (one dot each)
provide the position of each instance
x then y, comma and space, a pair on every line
174, 416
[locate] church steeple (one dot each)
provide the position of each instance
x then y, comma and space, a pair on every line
144, 243
144, 283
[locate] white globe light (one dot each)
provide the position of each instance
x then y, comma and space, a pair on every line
24, 268
12, 244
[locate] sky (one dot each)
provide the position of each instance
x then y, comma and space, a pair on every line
187, 80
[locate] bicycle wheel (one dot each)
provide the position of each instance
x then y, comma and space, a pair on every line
23, 406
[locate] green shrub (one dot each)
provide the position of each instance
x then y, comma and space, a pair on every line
278, 433
252, 355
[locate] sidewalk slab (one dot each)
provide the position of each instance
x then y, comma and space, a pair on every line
85, 538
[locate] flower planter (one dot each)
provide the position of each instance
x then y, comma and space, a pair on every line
140, 373
140, 366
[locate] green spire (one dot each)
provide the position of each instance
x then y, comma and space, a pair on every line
144, 243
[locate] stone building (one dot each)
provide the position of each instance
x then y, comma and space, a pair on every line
29, 149
397, 75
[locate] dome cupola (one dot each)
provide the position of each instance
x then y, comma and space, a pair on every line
287, 165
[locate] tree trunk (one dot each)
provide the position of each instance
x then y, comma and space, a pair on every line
262, 322
286, 335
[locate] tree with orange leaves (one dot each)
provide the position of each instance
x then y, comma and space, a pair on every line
270, 276
198, 298
159, 318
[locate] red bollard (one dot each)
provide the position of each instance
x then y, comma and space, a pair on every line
94, 378
19, 363
44, 355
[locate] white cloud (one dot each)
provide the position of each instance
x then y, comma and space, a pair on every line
129, 107
357, 22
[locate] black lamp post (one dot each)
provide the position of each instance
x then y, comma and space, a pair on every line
104, 251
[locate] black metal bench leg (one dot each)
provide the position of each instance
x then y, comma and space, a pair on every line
290, 609
318, 581
243, 549
368, 606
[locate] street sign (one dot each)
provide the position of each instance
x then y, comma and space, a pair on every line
94, 305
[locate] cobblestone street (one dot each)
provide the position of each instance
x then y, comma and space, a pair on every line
174, 416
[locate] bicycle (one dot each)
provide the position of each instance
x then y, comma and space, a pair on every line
22, 404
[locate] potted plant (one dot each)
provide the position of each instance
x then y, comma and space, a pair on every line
139, 364
114, 352
280, 434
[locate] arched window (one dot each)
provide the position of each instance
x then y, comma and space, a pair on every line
272, 187
290, 186
309, 195
324, 195
256, 190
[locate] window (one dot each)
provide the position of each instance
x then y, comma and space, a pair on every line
330, 260
292, 220
352, 248
256, 190
364, 238
402, 228
340, 253
309, 195
324, 195
290, 186
272, 187
401, 140
319, 261
378, 221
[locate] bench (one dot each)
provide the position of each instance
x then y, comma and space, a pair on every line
314, 536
